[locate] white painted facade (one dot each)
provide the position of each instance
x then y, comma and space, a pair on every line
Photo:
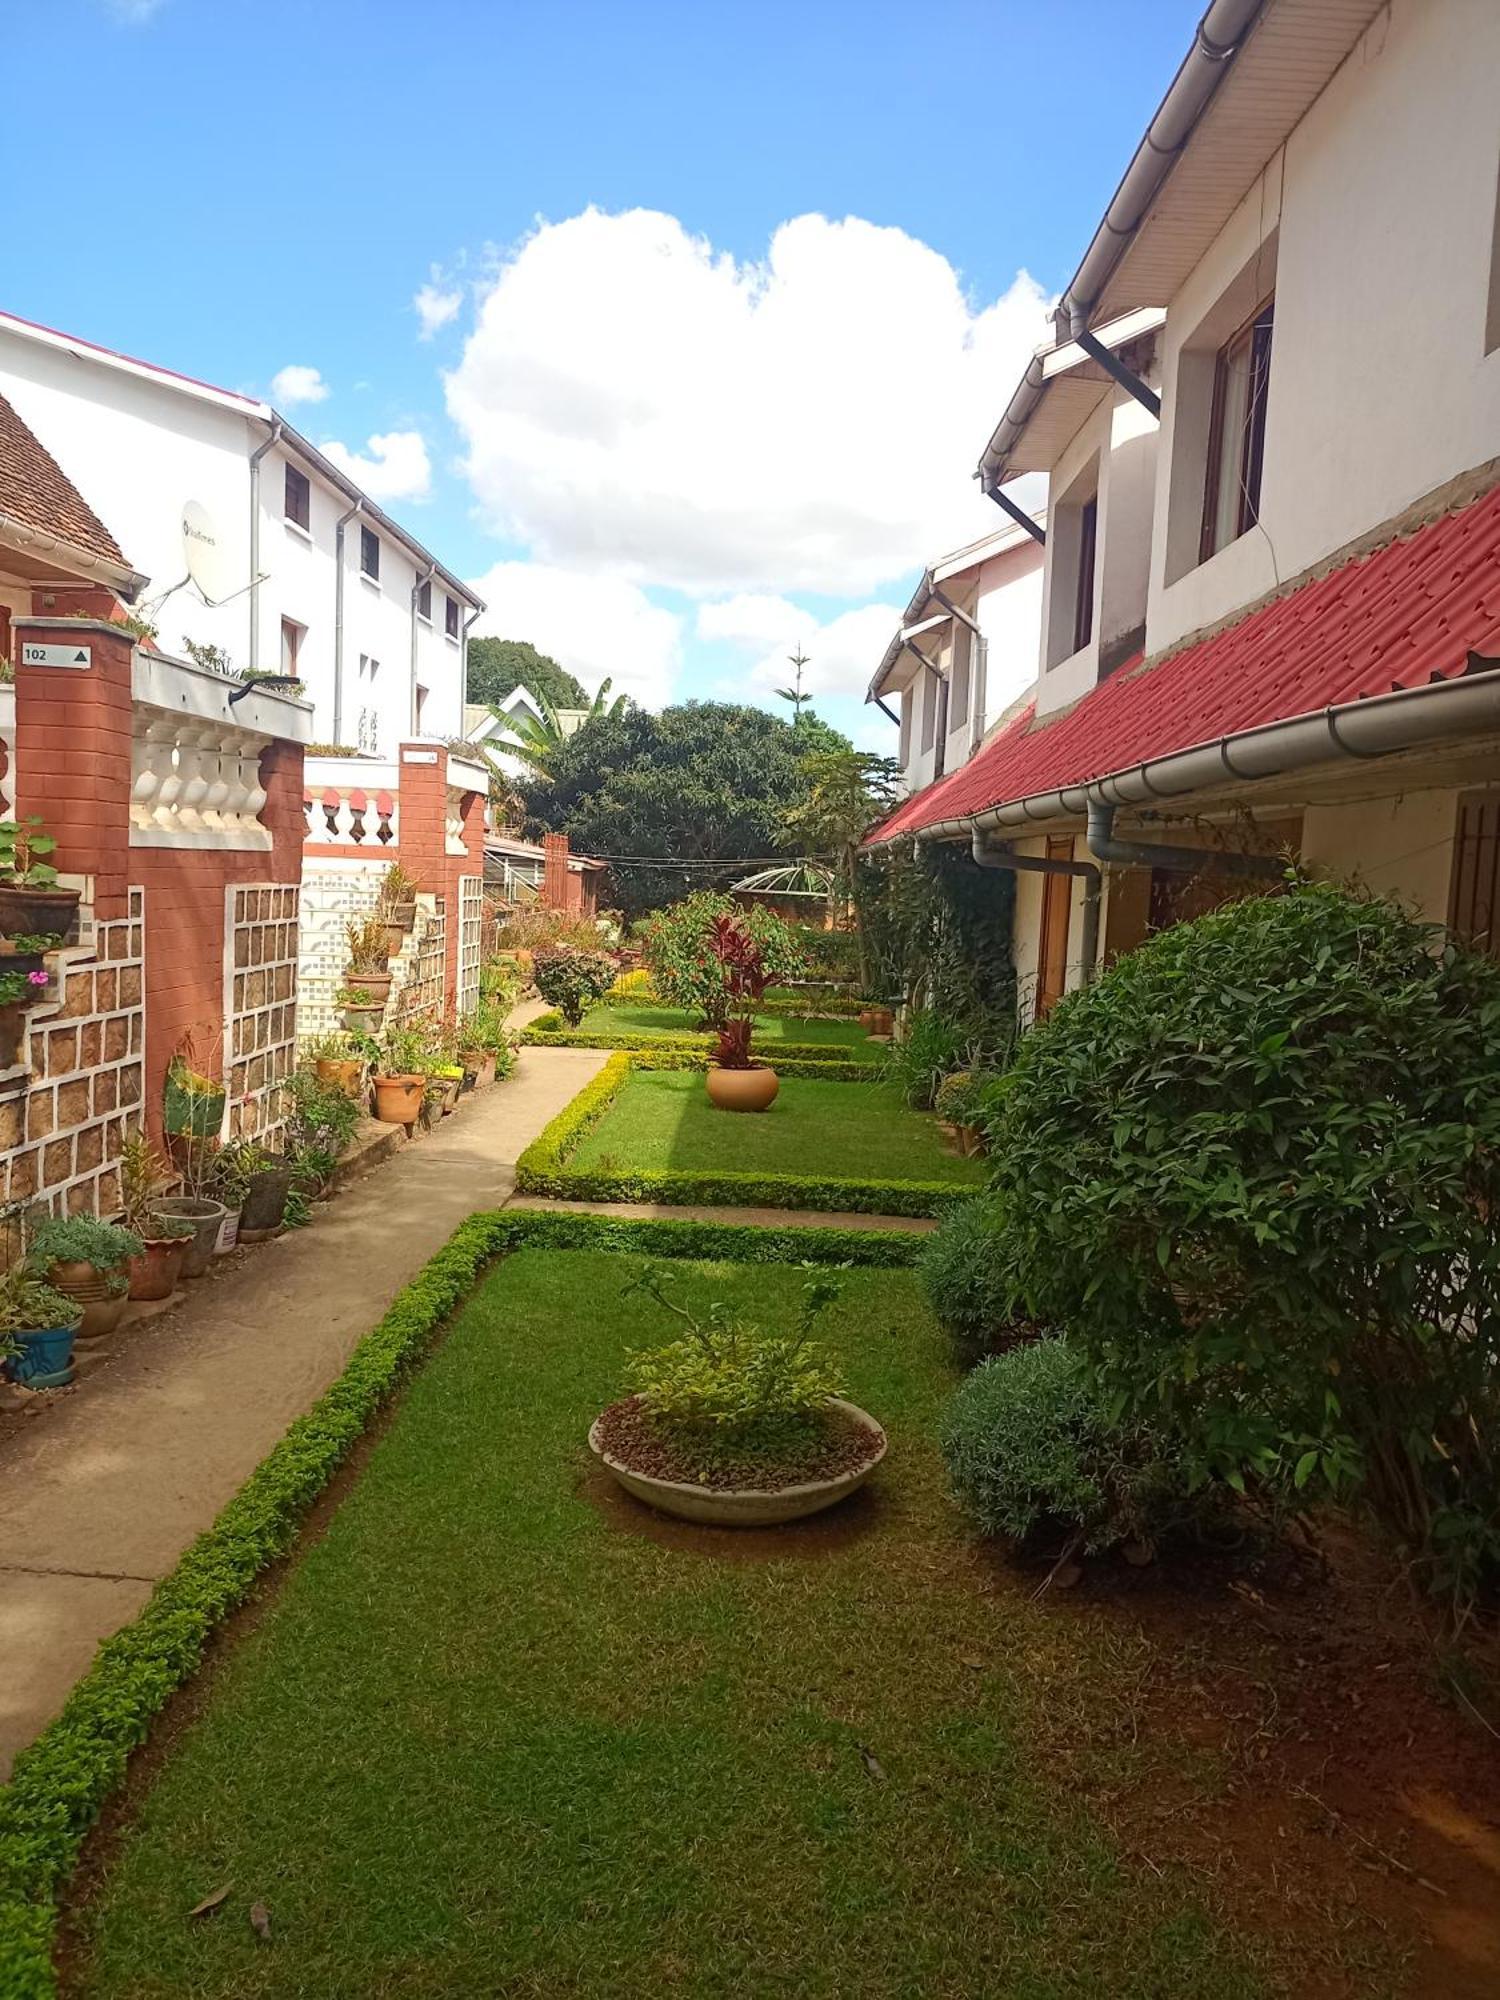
140, 443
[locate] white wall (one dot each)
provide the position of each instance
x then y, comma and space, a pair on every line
1400, 847
1380, 386
1008, 605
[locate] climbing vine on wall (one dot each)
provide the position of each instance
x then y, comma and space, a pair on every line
940, 928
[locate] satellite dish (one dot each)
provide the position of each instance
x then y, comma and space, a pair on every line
208, 560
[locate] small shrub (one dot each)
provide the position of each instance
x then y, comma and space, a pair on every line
79, 1239
572, 980
684, 970
931, 1049
634, 986
969, 1285
1033, 1451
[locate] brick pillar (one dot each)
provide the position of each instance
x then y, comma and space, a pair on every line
555, 871
423, 814
73, 749
281, 774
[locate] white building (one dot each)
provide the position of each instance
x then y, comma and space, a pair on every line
964, 651
1271, 433
513, 720
255, 543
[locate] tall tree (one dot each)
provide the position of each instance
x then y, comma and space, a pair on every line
794, 694
498, 666
845, 793
665, 797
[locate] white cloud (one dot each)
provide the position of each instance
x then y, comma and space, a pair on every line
435, 306
595, 625
841, 655
133, 13
296, 384
393, 466
633, 399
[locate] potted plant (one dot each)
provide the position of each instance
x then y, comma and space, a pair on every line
363, 1010
28, 951
85, 1260
37, 1328
878, 1020
192, 1101
735, 1080
401, 1072
368, 967
262, 1180
30, 898
337, 1062
156, 1267
18, 992
735, 1425
397, 906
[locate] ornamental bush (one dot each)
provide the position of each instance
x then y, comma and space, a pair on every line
1033, 1449
572, 979
678, 949
1254, 1171
972, 1291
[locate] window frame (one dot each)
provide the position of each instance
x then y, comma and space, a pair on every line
424, 600
452, 622
1085, 573
297, 632
297, 481
368, 540
1256, 335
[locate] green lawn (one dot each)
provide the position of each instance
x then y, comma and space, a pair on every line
663, 1119
630, 1020
491, 1738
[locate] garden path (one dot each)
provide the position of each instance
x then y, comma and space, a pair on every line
101, 1492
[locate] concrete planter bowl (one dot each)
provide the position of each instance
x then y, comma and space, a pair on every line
747, 1507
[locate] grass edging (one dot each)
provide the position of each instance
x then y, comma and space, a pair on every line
543, 1170
63, 1780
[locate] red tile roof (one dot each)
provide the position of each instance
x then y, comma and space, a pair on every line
1398, 618
35, 491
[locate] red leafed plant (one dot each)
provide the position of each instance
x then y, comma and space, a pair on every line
745, 979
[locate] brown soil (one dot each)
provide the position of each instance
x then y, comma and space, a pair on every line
835, 1444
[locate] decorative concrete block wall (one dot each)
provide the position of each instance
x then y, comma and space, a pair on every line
334, 893
62, 1119
260, 1003
421, 980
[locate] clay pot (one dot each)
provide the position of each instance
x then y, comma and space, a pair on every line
102, 1300
376, 984
154, 1273
398, 1099
206, 1218
401, 916
877, 1020
395, 937
343, 1072
364, 1020
742, 1089
37, 912
747, 1507
452, 1088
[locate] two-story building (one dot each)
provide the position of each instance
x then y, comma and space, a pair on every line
263, 553
1271, 432
964, 651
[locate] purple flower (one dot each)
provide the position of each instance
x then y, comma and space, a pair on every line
37, 978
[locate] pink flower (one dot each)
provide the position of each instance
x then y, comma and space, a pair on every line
37, 978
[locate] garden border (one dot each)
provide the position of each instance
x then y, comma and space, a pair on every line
63, 1780
787, 1058
542, 1168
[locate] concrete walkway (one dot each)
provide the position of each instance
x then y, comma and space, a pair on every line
101, 1492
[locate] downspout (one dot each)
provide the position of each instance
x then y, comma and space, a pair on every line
411, 698
338, 618
1181, 860
255, 458
1036, 864
463, 668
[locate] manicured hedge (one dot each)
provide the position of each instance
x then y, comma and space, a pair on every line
786, 1058
63, 1780
542, 1169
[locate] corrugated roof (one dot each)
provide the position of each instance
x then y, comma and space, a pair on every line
35, 491
1401, 617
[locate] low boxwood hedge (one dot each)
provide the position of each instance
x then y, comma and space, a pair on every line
548, 1031
62, 1782
542, 1169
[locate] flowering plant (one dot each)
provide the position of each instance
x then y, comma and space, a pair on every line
743, 975
21, 989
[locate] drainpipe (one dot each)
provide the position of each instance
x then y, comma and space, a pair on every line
417, 582
338, 618
1181, 860
463, 668
255, 458
1036, 864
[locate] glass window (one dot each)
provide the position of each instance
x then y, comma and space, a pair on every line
1237, 433
424, 601
450, 617
369, 553
298, 503
1083, 585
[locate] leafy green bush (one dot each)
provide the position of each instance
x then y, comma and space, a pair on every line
1254, 1171
676, 944
572, 979
931, 1049
970, 1287
1033, 1448
79, 1239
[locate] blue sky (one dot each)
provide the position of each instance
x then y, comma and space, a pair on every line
669, 433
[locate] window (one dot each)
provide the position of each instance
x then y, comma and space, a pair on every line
291, 647
298, 503
450, 617
1083, 583
369, 554
1474, 901
1237, 433
926, 690
424, 601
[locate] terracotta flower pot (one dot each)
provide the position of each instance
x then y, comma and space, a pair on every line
742, 1089
343, 1072
877, 1020
100, 1296
398, 1099
401, 916
154, 1273
395, 937
376, 984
